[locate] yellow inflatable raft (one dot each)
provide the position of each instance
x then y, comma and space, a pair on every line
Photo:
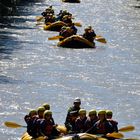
76, 41
56, 26
80, 136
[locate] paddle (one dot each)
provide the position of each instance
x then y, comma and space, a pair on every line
78, 24
62, 128
13, 125
55, 37
127, 128
39, 18
100, 39
115, 135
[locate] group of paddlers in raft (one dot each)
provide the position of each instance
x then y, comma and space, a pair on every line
69, 29
41, 123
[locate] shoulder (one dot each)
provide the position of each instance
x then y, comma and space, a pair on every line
70, 108
113, 121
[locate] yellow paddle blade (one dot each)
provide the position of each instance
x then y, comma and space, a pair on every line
77, 24
39, 18
115, 135
13, 125
127, 128
100, 39
55, 37
62, 129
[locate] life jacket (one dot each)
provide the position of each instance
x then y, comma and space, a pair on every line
47, 127
74, 29
67, 33
114, 124
31, 126
89, 123
90, 35
80, 124
103, 127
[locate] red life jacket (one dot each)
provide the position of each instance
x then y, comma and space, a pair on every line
101, 129
49, 128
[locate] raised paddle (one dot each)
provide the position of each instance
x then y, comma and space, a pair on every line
127, 128
13, 125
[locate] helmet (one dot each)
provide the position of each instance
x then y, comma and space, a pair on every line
40, 109
77, 100
46, 106
89, 27
86, 29
47, 112
109, 112
32, 112
100, 112
82, 111
65, 11
64, 27
92, 112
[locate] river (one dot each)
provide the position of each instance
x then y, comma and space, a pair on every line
34, 71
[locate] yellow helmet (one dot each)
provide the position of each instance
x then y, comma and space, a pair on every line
47, 112
92, 112
32, 112
82, 111
40, 109
46, 106
109, 112
100, 112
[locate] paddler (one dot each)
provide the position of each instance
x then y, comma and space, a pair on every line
102, 126
80, 121
76, 107
48, 128
89, 34
70, 125
65, 32
109, 115
91, 119
30, 119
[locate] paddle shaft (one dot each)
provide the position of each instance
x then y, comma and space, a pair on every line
13, 125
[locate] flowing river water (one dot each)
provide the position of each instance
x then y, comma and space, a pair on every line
34, 71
